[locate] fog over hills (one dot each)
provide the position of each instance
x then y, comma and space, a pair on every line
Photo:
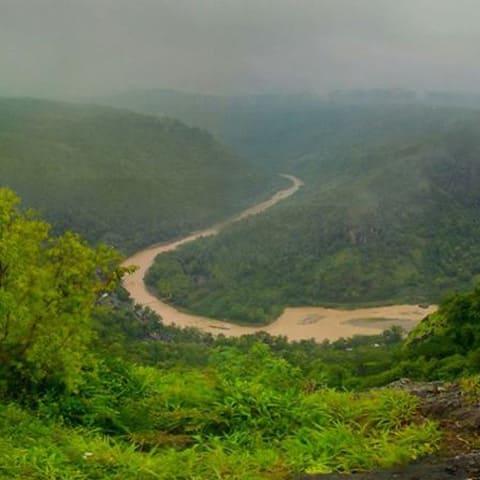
70, 48
389, 213
278, 130
133, 127
123, 178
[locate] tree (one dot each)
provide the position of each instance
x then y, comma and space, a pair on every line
49, 287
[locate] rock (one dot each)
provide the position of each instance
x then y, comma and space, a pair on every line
460, 467
458, 417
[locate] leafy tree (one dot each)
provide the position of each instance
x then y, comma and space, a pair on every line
48, 290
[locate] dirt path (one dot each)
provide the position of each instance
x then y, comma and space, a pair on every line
295, 323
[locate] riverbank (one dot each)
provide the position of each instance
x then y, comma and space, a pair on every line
295, 323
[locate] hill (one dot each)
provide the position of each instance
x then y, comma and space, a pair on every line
119, 177
374, 223
284, 131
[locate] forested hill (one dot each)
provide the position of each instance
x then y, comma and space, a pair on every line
119, 177
391, 223
282, 131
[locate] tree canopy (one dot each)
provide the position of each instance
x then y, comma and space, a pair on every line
117, 177
48, 290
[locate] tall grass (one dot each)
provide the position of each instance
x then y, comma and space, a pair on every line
230, 421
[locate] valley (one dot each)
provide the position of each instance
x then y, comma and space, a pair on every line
239, 240
299, 323
373, 225
119, 177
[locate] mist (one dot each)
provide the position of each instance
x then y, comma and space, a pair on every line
75, 48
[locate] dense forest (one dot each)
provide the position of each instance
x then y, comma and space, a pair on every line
396, 222
282, 132
118, 177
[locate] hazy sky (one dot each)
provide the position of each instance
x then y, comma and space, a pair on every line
237, 46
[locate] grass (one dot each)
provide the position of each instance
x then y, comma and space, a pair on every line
245, 417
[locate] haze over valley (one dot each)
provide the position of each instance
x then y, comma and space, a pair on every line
239, 239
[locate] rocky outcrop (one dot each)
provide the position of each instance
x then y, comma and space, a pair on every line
461, 467
458, 414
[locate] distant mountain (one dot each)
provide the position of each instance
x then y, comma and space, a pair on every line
279, 131
247, 123
374, 96
119, 177
397, 222
453, 99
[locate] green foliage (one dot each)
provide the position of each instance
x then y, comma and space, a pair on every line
446, 344
125, 179
48, 290
470, 387
246, 416
384, 224
105, 391
138, 335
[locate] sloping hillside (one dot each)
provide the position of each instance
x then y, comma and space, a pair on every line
384, 224
284, 131
116, 176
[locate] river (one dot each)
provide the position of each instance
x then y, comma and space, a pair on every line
295, 323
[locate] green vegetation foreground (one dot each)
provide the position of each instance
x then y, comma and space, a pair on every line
71, 408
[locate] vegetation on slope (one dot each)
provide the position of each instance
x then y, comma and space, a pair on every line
377, 224
246, 417
452, 334
284, 131
70, 407
118, 177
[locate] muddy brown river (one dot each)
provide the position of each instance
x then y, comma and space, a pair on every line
295, 323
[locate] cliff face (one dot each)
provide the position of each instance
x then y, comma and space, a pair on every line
456, 407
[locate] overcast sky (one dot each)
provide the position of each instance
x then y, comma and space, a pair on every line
82, 47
